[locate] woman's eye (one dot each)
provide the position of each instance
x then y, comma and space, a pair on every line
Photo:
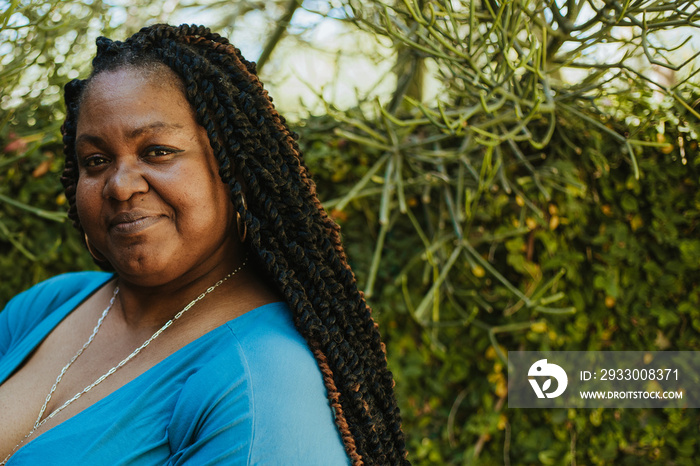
93, 161
159, 151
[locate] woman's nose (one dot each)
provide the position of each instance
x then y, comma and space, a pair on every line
124, 180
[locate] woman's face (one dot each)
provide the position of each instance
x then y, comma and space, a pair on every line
149, 195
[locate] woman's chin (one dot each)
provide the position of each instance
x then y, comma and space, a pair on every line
142, 270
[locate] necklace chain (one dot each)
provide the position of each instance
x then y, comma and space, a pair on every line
40, 422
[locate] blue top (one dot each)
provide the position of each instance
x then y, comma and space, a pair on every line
248, 392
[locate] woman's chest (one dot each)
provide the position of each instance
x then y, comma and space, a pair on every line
20, 402
64, 379
131, 425
111, 434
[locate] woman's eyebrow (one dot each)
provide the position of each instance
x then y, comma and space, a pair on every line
152, 126
132, 134
87, 138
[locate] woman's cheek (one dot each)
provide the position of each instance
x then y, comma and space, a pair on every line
87, 199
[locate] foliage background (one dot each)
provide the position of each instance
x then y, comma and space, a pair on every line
521, 175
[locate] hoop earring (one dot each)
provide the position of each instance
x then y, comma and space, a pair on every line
92, 253
240, 222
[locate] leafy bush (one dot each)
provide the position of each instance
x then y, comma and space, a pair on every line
521, 211
622, 265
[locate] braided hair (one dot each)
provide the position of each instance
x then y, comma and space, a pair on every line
289, 233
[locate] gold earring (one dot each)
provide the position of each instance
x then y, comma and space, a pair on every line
94, 256
240, 222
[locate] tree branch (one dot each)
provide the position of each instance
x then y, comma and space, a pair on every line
276, 36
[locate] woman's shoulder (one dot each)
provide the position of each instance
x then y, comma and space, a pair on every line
62, 287
268, 333
47, 296
273, 377
28, 308
277, 358
264, 347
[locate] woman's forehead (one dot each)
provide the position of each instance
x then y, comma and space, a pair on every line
155, 74
131, 99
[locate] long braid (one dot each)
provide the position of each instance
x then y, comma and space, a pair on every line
294, 239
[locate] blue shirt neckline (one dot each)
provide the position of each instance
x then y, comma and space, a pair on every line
38, 335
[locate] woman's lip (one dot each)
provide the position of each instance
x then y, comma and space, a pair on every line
131, 227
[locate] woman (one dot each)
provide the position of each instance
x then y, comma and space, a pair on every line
231, 329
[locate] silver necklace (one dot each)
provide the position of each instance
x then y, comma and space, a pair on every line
40, 422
